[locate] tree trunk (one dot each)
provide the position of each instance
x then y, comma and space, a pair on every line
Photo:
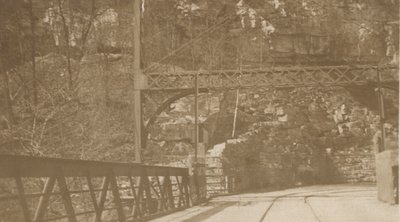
22, 57
33, 52
67, 45
7, 94
85, 33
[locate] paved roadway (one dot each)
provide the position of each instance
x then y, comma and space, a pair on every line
331, 203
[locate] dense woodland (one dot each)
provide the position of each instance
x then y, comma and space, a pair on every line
66, 65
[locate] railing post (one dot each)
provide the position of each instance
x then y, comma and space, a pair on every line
381, 108
180, 191
226, 184
102, 199
22, 199
168, 189
146, 184
162, 194
117, 199
93, 196
233, 184
185, 184
136, 196
157, 193
43, 201
66, 196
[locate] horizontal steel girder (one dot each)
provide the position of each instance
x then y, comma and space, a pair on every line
275, 77
28, 166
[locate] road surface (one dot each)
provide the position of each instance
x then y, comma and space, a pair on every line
331, 203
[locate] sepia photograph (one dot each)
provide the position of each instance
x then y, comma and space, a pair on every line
199, 110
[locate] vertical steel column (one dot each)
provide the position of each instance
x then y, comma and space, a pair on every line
235, 114
196, 137
196, 90
196, 110
196, 117
381, 112
139, 81
261, 50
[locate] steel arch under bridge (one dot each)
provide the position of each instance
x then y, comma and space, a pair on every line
176, 85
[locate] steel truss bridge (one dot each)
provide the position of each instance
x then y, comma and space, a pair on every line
175, 85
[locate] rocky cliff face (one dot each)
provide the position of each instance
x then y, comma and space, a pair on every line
171, 138
324, 133
282, 137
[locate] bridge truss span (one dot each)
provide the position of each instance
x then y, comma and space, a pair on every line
273, 77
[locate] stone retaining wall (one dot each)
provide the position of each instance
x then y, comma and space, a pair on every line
340, 167
354, 167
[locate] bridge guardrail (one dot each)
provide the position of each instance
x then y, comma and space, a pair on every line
220, 185
218, 182
50, 189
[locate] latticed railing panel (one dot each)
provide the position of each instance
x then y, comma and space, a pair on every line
277, 77
46, 189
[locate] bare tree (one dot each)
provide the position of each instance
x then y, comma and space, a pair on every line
7, 93
67, 43
33, 52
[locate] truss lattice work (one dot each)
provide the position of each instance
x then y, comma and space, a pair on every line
277, 77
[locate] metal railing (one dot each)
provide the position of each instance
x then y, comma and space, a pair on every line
272, 77
220, 185
217, 181
49, 189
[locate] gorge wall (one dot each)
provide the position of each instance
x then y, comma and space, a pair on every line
282, 137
